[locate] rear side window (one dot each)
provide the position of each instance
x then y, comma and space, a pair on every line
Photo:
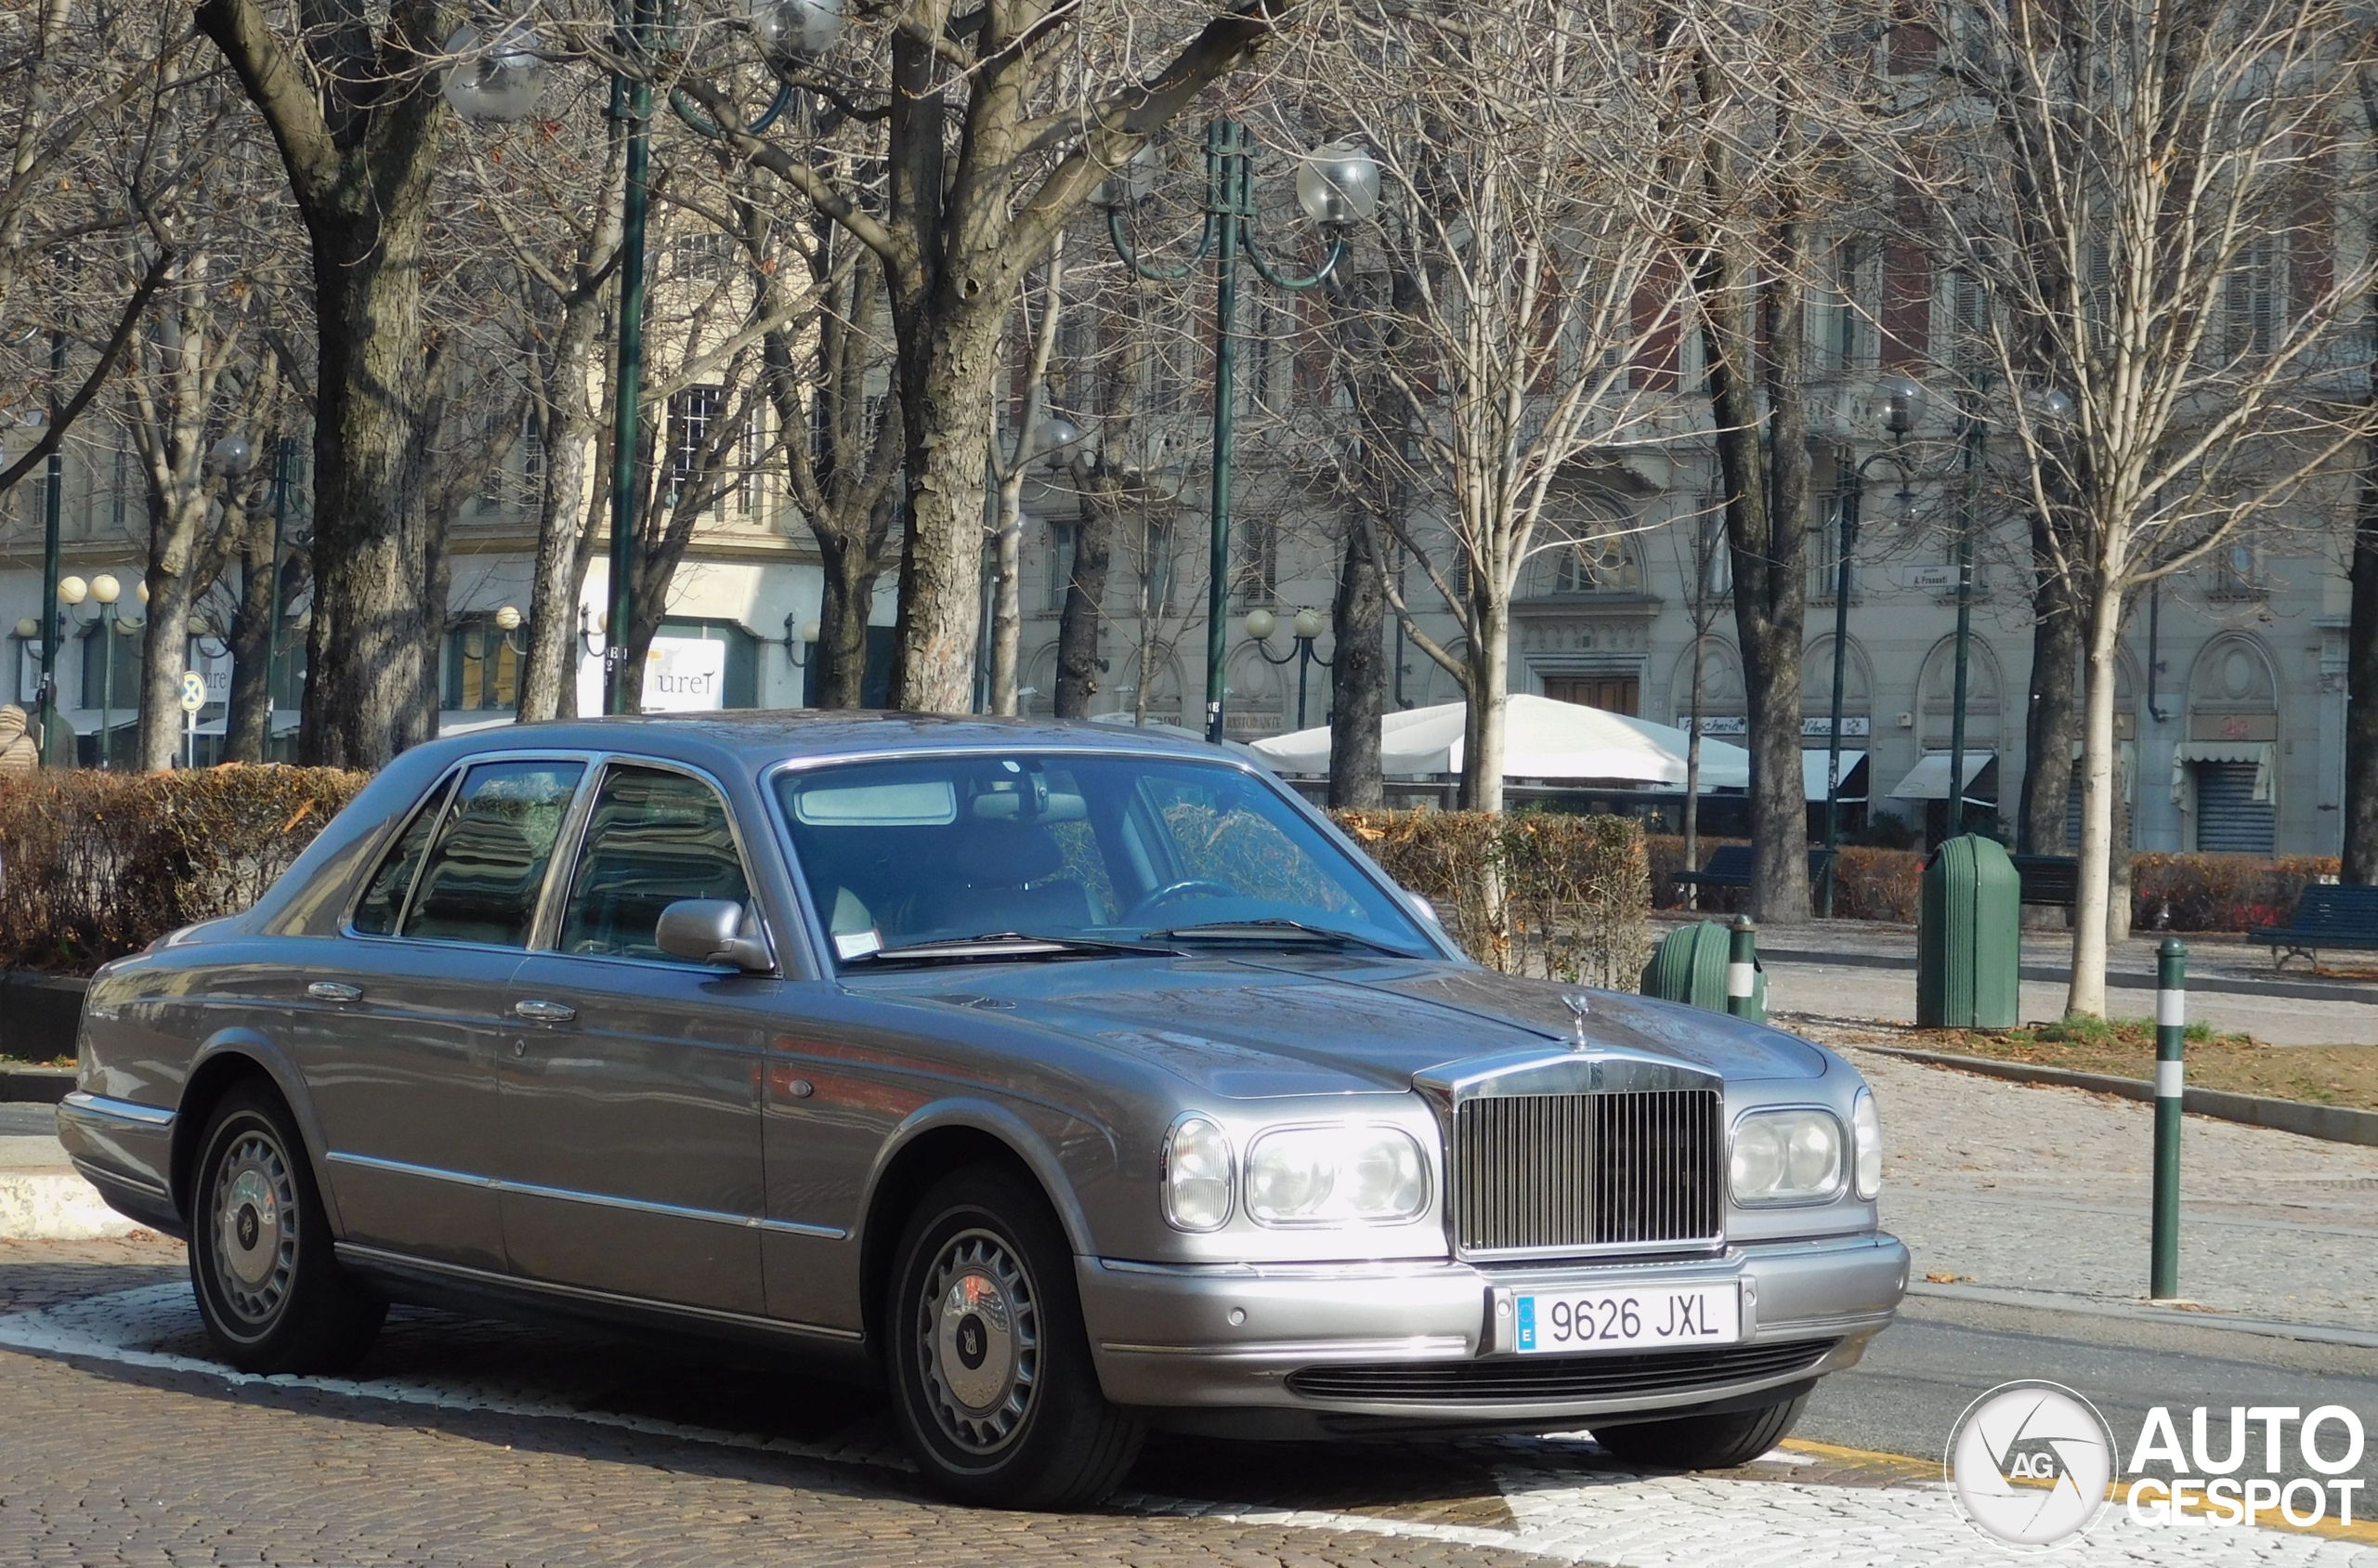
654, 837
383, 896
489, 862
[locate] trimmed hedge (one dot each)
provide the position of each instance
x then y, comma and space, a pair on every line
96, 865
1534, 893
2218, 892
1869, 884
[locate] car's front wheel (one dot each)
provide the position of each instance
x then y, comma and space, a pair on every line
274, 1296
991, 1373
1691, 1443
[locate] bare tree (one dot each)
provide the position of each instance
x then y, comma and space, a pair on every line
1533, 144
1037, 342
2150, 206
997, 118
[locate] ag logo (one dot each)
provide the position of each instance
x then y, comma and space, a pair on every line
2030, 1462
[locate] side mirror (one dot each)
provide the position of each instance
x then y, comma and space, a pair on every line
710, 931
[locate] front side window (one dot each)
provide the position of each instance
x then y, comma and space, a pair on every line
654, 837
487, 863
1097, 848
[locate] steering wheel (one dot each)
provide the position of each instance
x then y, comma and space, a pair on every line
1172, 890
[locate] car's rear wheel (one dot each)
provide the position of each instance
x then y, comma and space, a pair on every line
273, 1296
992, 1379
1692, 1442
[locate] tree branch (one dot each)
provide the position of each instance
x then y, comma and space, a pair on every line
58, 424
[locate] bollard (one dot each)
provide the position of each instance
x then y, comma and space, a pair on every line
2171, 1037
1742, 966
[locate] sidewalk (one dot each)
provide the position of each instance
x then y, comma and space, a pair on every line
1867, 969
2002, 1187
41, 1196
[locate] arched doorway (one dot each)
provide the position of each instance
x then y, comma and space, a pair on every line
2225, 775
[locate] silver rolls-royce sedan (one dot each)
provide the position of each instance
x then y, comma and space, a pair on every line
1067, 1081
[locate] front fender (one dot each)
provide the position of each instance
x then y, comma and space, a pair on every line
1036, 1146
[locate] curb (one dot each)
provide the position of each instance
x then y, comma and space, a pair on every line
2041, 1301
37, 1086
2335, 1124
55, 1206
2292, 990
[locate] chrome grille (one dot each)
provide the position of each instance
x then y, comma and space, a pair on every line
1539, 1173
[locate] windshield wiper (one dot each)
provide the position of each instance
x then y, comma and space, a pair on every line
1003, 945
1276, 928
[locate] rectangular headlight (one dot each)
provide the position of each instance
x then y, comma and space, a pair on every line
1336, 1175
1197, 1176
1792, 1155
1866, 1133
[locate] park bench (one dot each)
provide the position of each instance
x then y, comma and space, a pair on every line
2049, 878
1730, 866
2327, 915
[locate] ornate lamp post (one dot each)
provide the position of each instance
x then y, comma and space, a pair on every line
1902, 411
1337, 185
1306, 629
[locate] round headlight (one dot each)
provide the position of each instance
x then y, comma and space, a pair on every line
1787, 1157
1196, 1176
1336, 1175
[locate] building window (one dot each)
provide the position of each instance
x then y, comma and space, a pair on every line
1255, 561
2237, 572
111, 667
1596, 566
2254, 295
707, 255
693, 419
1062, 537
482, 667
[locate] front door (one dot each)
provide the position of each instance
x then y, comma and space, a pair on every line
1613, 694
396, 1026
631, 1100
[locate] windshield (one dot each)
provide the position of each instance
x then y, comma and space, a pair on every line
932, 849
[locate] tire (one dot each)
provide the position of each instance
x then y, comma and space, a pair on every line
991, 1377
273, 1296
1692, 1443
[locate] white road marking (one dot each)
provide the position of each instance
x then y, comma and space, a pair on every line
1560, 1512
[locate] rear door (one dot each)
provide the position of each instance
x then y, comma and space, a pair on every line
398, 1034
630, 1156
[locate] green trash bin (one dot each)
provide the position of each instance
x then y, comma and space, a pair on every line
1968, 937
1689, 966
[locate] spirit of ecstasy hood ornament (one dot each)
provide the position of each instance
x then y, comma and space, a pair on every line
1579, 1005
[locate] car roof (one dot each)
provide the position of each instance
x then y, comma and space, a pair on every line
755, 737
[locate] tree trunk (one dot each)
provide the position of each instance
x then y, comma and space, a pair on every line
1080, 621
2053, 723
2361, 862
1484, 729
573, 435
947, 416
1357, 672
2086, 993
363, 656
165, 649
247, 719
1006, 598
844, 607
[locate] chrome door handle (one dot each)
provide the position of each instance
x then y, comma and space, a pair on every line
544, 1012
335, 990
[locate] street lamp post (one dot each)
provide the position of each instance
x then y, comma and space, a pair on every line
285, 456
1306, 628
53, 617
1902, 410
1337, 185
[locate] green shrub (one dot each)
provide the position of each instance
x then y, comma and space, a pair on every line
97, 865
1538, 893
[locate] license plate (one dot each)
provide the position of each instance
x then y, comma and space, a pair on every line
1649, 1318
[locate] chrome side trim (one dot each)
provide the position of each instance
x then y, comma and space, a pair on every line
398, 1261
600, 1200
104, 1176
1420, 1346
109, 1109
402, 1168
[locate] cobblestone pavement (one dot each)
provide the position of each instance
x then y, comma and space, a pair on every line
465, 1443
2047, 1189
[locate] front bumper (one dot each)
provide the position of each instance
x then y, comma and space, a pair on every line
1215, 1338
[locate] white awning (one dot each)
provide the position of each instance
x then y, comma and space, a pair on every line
1815, 766
1928, 779
2262, 754
1543, 738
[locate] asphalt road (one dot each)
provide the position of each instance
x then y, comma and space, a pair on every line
1920, 1375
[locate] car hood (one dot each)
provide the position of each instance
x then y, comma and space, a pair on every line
1253, 1027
